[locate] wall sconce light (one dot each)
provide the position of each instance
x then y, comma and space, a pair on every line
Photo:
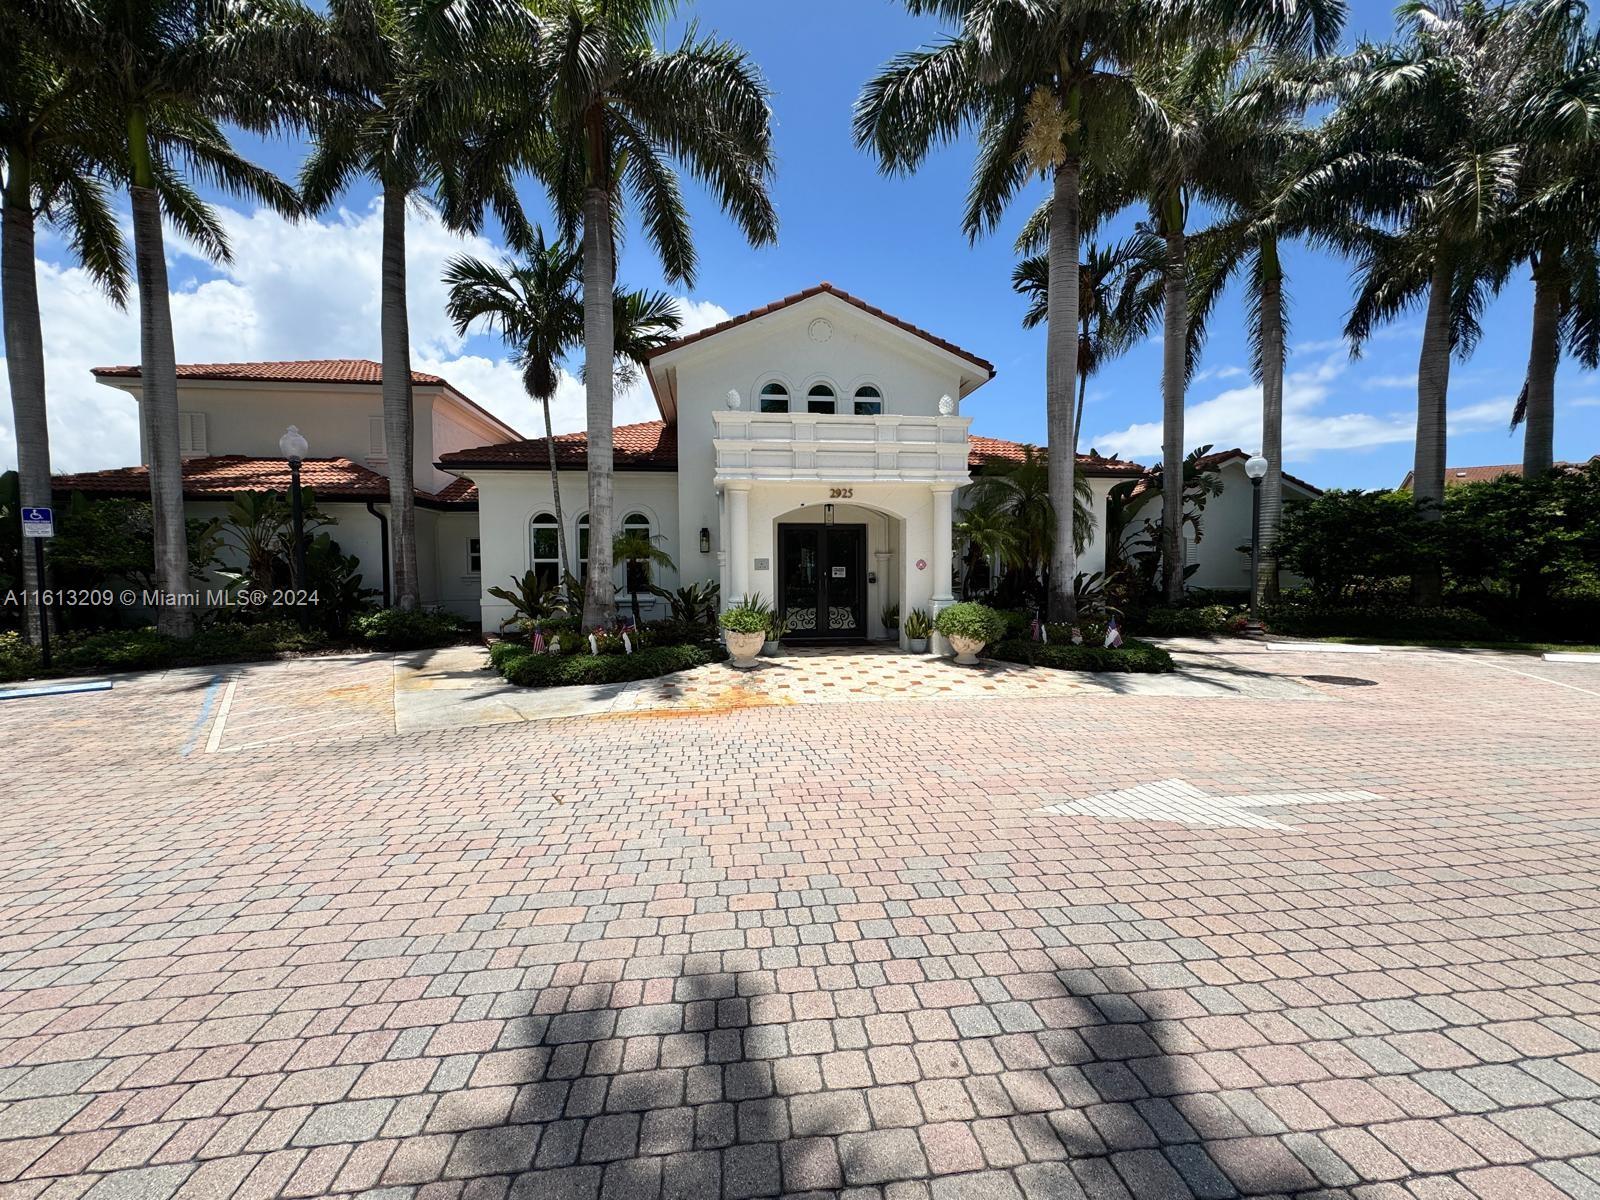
705, 540
827, 514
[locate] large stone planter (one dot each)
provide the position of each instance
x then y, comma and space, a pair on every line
744, 648
966, 649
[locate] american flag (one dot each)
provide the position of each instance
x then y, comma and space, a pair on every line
538, 641
1113, 635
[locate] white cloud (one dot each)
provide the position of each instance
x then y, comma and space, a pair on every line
1584, 402
1375, 382
1229, 372
307, 290
1233, 418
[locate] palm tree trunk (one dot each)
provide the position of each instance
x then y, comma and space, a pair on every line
1271, 275
555, 497
25, 364
1174, 368
1083, 388
398, 419
599, 601
158, 405
1433, 387
1060, 375
1539, 416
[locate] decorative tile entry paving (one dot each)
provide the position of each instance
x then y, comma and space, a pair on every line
1176, 801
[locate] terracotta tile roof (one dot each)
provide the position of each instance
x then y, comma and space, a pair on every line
224, 475
819, 289
310, 370
1219, 457
646, 446
985, 450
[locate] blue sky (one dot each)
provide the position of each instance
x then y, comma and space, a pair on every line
897, 242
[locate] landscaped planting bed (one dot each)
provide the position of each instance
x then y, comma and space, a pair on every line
1132, 656
527, 667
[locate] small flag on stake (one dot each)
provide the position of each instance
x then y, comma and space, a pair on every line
1113, 635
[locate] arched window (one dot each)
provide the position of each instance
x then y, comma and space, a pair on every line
638, 573
821, 398
869, 401
544, 550
774, 397
583, 549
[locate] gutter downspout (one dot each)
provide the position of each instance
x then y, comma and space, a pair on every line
383, 542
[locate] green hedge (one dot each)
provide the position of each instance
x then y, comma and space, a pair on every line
1199, 621
1133, 656
1377, 619
400, 629
521, 666
146, 650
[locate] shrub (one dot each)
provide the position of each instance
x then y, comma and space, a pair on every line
971, 620
1091, 629
407, 629
752, 614
1346, 544
1204, 621
918, 625
521, 666
19, 658
1133, 656
673, 632
1309, 617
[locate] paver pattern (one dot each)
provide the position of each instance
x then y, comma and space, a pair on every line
819, 949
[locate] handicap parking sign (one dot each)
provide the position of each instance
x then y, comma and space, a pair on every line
38, 523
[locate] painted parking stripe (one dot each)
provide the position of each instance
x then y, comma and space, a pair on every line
1324, 647
200, 721
56, 689
221, 722
1556, 656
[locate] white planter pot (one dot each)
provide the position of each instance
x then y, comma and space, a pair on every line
966, 649
917, 645
744, 648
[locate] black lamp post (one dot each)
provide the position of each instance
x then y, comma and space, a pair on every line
294, 447
1256, 468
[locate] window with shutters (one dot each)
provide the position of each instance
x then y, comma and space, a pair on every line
192, 434
376, 451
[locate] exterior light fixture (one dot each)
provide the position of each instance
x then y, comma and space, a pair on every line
1256, 468
294, 446
705, 540
827, 514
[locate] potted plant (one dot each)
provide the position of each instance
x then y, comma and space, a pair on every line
744, 629
918, 627
774, 632
970, 627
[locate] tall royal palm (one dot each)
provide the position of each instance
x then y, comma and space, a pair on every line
163, 76
1048, 86
418, 97
537, 306
52, 173
620, 112
1273, 152
1421, 151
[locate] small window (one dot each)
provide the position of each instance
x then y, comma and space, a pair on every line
821, 399
544, 551
192, 434
774, 398
869, 401
474, 557
583, 549
638, 577
377, 451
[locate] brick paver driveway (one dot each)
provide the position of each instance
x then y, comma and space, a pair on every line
1086, 945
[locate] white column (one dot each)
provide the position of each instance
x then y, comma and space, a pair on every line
738, 496
943, 519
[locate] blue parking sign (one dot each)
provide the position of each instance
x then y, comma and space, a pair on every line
38, 523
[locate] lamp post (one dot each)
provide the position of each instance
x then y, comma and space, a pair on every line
294, 446
1256, 468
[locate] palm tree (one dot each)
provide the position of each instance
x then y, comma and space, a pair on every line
1117, 303
1275, 152
1421, 150
1021, 491
537, 306
639, 552
985, 527
163, 76
620, 112
50, 173
1048, 85
1556, 219
423, 99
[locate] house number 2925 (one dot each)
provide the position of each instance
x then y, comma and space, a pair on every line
840, 493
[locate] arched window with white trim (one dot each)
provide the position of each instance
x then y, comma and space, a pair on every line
544, 550
583, 549
774, 397
638, 576
868, 401
821, 398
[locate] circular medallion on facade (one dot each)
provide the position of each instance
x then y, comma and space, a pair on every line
922, 564
820, 329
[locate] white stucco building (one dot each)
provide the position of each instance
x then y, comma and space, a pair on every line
811, 452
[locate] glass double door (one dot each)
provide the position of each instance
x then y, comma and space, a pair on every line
822, 582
